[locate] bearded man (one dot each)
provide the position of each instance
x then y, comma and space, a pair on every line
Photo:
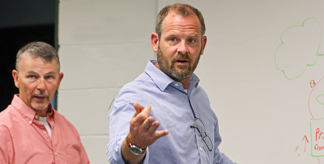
177, 124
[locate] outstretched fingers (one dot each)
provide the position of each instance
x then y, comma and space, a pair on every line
161, 133
143, 129
153, 130
148, 123
153, 127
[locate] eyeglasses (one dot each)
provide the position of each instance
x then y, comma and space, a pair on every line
199, 125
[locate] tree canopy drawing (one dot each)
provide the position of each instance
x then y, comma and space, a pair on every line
299, 48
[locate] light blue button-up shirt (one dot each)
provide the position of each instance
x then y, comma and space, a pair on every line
176, 111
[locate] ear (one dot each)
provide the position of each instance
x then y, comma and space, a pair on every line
203, 44
15, 76
60, 79
155, 41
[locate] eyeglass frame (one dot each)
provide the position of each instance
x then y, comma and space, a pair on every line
202, 133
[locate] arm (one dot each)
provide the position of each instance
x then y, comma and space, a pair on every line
124, 120
6, 146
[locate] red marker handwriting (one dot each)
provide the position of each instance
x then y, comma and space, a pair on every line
312, 83
318, 134
306, 140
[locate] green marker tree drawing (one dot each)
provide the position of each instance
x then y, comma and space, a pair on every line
299, 48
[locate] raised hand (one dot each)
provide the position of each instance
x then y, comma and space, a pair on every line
142, 133
143, 129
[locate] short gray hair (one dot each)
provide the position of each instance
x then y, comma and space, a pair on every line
38, 49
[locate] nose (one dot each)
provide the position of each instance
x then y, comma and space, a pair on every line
41, 84
182, 47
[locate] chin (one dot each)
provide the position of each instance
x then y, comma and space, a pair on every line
39, 106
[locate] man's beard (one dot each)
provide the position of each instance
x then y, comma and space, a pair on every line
37, 106
179, 73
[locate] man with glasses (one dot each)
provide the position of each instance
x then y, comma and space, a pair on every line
177, 124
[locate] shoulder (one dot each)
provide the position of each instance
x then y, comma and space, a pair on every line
132, 92
135, 88
142, 80
6, 116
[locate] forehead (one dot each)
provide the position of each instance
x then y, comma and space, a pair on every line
37, 64
174, 22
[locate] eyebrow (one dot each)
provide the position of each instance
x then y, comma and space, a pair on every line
175, 35
193, 35
31, 72
48, 73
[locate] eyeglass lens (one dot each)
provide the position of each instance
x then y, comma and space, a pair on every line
199, 125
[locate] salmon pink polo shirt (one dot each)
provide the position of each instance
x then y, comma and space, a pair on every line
24, 139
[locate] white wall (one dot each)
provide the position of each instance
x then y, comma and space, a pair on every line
103, 45
263, 116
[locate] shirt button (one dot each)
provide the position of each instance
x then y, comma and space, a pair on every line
36, 116
201, 149
176, 84
30, 122
44, 132
55, 153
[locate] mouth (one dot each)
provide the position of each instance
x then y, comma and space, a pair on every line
181, 61
40, 97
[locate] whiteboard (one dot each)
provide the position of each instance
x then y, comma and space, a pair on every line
263, 69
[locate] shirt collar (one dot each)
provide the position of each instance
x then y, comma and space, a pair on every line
162, 80
27, 112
